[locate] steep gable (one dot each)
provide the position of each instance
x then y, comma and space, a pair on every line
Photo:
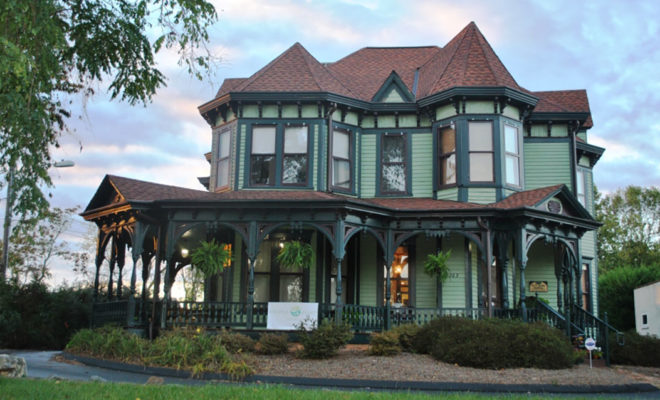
393, 91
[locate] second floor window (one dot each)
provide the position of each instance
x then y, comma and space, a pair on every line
512, 157
223, 164
447, 155
393, 164
580, 192
294, 161
262, 160
480, 137
341, 159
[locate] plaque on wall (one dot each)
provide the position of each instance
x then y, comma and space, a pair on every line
538, 286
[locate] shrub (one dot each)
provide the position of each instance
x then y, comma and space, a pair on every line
496, 344
236, 342
615, 289
324, 341
109, 342
406, 334
272, 343
384, 344
637, 350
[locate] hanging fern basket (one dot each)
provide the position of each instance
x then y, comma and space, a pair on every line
210, 257
295, 255
436, 265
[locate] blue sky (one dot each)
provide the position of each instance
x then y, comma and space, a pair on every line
609, 48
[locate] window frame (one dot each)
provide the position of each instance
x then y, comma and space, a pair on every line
491, 151
443, 156
581, 178
280, 178
218, 160
585, 270
517, 156
382, 164
350, 159
251, 155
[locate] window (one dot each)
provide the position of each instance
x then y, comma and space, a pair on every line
480, 136
222, 170
294, 161
399, 278
585, 285
447, 154
341, 159
272, 283
580, 192
645, 321
262, 160
393, 172
512, 155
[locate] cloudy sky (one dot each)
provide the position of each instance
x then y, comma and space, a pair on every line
610, 48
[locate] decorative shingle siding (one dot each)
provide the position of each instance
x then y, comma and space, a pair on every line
547, 164
368, 162
422, 166
368, 273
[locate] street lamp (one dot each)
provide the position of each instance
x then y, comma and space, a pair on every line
5, 235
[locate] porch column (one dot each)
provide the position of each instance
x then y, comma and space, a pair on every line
250, 293
560, 302
166, 292
389, 257
130, 317
339, 305
567, 307
99, 261
503, 263
113, 260
146, 260
523, 306
156, 285
121, 261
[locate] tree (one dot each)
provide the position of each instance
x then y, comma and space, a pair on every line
630, 234
37, 242
53, 49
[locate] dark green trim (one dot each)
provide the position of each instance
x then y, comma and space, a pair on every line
468, 273
545, 139
558, 116
379, 131
479, 92
393, 82
593, 152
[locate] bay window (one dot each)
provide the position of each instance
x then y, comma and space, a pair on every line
393, 164
294, 161
223, 160
262, 160
341, 159
480, 137
279, 155
512, 155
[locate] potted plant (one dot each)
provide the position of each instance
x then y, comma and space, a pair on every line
295, 254
210, 257
436, 265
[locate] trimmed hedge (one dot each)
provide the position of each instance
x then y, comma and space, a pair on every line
384, 344
636, 350
273, 343
495, 344
323, 341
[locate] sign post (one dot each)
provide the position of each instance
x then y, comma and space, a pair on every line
590, 344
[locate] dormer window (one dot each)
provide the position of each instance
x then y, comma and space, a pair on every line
223, 164
341, 159
262, 160
447, 156
480, 138
393, 164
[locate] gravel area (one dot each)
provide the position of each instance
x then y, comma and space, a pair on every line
353, 362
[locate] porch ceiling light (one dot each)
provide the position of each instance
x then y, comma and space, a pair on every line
184, 252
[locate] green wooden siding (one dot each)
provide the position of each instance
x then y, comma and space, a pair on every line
474, 261
425, 286
289, 111
368, 121
386, 121
368, 163
392, 96
408, 121
482, 195
547, 164
479, 107
559, 130
588, 244
541, 267
310, 111
241, 156
448, 194
368, 273
445, 112
539, 130
512, 112
351, 118
453, 289
269, 111
422, 169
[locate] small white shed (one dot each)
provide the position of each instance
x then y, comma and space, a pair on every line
647, 309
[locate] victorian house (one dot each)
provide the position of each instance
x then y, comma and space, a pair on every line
377, 160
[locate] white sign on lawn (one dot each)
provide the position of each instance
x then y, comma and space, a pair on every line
289, 316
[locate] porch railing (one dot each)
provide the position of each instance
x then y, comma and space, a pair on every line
111, 312
596, 328
215, 314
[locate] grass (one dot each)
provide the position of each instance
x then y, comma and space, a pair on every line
14, 389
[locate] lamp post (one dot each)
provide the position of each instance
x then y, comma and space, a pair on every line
8, 205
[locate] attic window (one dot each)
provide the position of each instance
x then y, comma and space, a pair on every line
554, 206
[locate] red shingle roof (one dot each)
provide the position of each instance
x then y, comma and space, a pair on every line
528, 198
564, 101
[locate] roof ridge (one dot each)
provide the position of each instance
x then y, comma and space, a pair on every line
492, 51
454, 49
304, 54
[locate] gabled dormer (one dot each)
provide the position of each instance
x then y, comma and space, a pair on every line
393, 90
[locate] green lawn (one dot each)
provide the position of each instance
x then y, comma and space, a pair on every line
11, 389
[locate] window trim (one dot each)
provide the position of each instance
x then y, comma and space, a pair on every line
280, 178
441, 156
218, 159
518, 156
580, 173
351, 163
381, 164
251, 154
491, 152
586, 265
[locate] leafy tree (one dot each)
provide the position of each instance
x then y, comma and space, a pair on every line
615, 291
630, 234
35, 243
53, 49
